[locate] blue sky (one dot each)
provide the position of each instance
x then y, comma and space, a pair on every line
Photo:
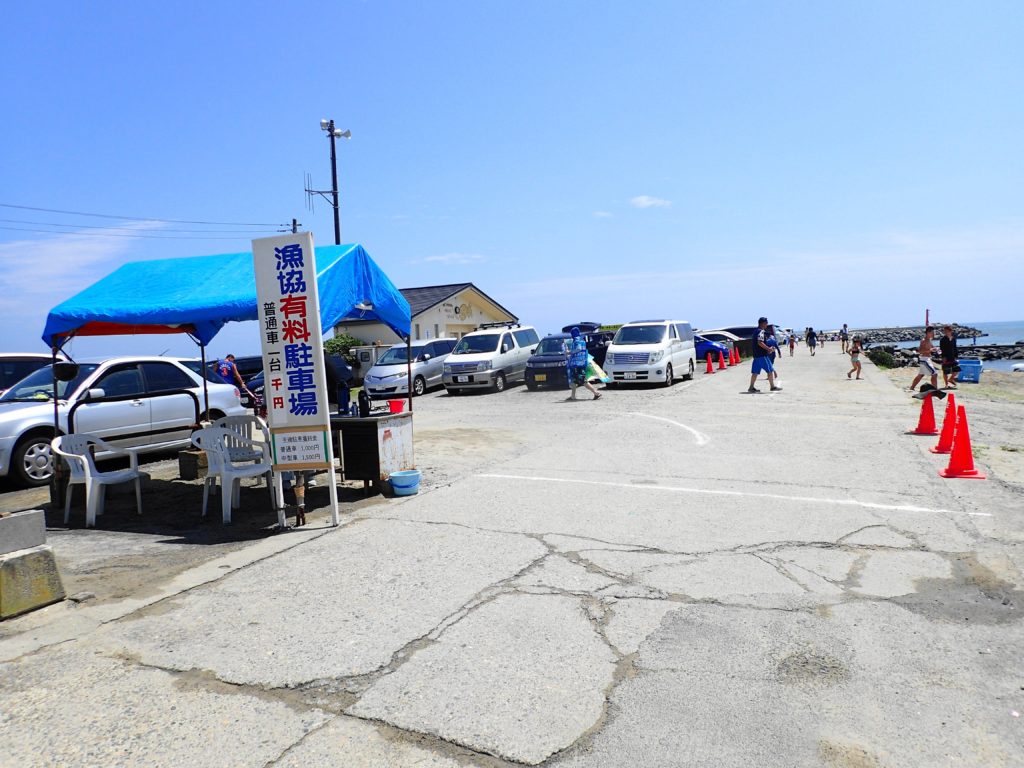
817, 162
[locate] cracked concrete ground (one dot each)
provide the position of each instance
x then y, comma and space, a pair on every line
579, 586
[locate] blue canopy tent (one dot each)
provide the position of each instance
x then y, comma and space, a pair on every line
198, 295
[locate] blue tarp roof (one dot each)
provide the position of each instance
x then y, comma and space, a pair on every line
199, 294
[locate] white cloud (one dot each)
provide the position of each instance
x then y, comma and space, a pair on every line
646, 201
602, 214
455, 258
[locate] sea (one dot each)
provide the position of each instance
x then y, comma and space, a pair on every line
1004, 332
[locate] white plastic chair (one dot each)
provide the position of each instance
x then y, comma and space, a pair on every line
245, 427
214, 441
76, 449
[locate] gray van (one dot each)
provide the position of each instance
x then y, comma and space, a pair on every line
389, 376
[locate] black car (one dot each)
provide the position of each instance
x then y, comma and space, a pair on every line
256, 383
546, 367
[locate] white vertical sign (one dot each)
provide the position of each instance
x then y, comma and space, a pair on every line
295, 383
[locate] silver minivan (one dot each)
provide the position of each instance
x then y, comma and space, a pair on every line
389, 376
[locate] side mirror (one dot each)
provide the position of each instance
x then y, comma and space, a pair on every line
504, 348
65, 371
96, 393
533, 351
424, 357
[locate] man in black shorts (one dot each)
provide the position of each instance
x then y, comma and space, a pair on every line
950, 367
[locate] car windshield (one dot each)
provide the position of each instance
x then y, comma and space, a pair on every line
397, 356
640, 334
485, 342
552, 347
38, 386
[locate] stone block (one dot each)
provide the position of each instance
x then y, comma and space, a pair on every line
29, 579
22, 530
190, 463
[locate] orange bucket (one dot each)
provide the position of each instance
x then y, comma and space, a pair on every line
396, 406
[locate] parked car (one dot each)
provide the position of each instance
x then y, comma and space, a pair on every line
15, 366
152, 403
389, 376
651, 351
490, 357
704, 347
730, 339
256, 384
546, 367
597, 340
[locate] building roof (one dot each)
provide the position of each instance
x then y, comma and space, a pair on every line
422, 299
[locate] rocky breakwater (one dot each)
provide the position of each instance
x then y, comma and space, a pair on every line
879, 336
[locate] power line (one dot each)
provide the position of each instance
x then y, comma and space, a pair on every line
112, 227
143, 218
241, 235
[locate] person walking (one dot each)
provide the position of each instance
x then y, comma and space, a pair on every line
924, 360
762, 361
812, 340
950, 366
855, 358
576, 364
773, 341
844, 337
792, 343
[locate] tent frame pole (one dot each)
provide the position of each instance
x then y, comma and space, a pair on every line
206, 392
408, 368
57, 486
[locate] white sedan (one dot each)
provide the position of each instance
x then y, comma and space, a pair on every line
147, 403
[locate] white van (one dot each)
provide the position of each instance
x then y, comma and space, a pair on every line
490, 357
646, 351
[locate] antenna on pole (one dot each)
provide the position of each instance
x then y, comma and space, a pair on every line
310, 192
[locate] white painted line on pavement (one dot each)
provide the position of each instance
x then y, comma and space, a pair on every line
700, 437
677, 489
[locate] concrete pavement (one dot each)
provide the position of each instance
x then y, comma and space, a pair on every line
666, 577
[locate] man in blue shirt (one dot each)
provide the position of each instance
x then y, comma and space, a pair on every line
762, 357
228, 371
576, 364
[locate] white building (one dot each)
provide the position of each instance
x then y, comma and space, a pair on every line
438, 311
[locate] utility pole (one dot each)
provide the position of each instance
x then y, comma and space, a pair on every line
332, 134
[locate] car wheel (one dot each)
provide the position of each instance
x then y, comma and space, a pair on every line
419, 386
32, 460
499, 382
668, 375
532, 385
689, 376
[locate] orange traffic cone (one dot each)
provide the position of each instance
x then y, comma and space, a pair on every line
711, 368
961, 460
926, 421
721, 361
945, 444
732, 355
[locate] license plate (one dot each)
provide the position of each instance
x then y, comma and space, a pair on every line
462, 379
629, 375
541, 377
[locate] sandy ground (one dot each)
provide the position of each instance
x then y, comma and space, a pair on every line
995, 412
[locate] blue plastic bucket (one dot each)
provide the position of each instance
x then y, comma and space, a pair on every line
406, 482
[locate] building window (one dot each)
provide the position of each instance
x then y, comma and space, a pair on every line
417, 331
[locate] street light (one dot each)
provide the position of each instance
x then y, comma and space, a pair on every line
335, 133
